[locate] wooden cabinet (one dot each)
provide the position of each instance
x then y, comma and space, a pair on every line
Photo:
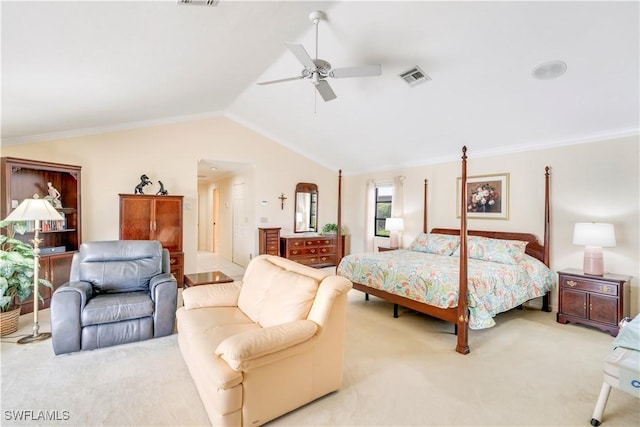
269, 241
598, 301
314, 251
21, 179
148, 217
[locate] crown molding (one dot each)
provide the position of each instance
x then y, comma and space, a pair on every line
107, 129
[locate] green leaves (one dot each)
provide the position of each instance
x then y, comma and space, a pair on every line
16, 267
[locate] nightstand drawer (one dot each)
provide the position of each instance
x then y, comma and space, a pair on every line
589, 285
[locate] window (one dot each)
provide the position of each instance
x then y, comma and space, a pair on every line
384, 194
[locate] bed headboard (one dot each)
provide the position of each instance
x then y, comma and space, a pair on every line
534, 248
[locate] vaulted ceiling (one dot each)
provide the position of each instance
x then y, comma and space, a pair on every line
73, 68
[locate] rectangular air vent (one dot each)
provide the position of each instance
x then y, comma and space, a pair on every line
414, 76
199, 2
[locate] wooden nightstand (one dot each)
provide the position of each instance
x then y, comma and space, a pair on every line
598, 301
384, 248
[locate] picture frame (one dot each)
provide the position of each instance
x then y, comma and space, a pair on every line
487, 196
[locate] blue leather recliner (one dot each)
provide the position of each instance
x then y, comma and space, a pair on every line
118, 292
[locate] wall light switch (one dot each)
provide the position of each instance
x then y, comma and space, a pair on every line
14, 204
264, 203
264, 220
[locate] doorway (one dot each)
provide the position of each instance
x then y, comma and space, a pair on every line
225, 218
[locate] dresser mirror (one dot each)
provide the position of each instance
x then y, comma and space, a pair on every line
306, 213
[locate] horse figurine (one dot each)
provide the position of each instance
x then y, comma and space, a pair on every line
162, 191
144, 181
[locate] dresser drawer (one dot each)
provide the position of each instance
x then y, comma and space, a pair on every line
317, 261
587, 285
176, 259
271, 248
176, 264
312, 251
319, 242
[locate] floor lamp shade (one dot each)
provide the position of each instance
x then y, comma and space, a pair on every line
594, 236
394, 226
35, 210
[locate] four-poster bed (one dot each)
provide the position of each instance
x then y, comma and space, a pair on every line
459, 280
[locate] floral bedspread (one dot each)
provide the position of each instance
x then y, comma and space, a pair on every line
433, 279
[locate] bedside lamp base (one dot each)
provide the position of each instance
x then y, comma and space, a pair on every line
593, 262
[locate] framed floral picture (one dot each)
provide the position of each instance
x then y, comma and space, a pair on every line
487, 196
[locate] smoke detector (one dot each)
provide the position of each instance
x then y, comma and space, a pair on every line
414, 76
549, 70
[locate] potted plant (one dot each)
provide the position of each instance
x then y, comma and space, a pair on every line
331, 228
16, 275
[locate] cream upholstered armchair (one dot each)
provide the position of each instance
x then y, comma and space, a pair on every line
261, 347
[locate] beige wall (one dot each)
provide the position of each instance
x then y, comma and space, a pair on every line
113, 162
589, 182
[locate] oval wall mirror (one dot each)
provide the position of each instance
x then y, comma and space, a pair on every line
306, 209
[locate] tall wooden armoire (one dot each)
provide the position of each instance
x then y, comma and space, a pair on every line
148, 217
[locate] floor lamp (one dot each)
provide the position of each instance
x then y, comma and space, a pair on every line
35, 210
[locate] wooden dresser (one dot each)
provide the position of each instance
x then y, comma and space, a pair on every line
269, 239
314, 251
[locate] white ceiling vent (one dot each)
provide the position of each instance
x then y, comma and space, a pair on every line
199, 2
414, 76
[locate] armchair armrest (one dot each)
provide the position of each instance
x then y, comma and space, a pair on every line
158, 281
240, 351
83, 290
218, 295
67, 304
164, 293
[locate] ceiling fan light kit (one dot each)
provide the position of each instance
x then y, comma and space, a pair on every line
318, 70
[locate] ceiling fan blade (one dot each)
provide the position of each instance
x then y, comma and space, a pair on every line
302, 55
361, 71
280, 80
325, 91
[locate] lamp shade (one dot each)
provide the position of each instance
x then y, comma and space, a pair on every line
34, 209
594, 234
394, 224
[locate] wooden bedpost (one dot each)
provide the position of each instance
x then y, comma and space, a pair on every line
339, 220
547, 220
462, 315
424, 209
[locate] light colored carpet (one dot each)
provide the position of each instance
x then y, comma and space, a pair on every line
527, 370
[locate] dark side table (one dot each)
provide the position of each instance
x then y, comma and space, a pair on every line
597, 301
207, 278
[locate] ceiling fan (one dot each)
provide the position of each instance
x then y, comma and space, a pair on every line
318, 70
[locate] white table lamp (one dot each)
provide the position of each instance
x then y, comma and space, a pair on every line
394, 226
594, 236
35, 210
